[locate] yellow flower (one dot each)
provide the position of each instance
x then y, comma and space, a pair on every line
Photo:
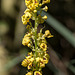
35, 11
32, 59
25, 62
45, 60
29, 45
27, 10
37, 59
43, 46
27, 2
27, 35
29, 73
48, 34
30, 54
44, 17
44, 41
26, 41
37, 73
24, 20
46, 55
45, 8
42, 64
45, 1
35, 2
26, 17
29, 66
28, 57
40, 4
31, 6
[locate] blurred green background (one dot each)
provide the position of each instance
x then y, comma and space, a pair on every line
61, 48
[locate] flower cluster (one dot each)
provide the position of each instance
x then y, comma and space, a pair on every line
38, 57
32, 7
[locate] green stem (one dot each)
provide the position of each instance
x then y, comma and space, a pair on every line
36, 34
36, 25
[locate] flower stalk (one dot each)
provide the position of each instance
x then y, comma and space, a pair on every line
38, 57
36, 24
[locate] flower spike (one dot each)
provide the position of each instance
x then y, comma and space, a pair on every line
38, 57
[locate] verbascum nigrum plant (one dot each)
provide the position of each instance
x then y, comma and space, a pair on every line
38, 57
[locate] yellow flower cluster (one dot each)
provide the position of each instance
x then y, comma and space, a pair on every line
27, 40
38, 57
32, 7
42, 41
28, 61
42, 57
